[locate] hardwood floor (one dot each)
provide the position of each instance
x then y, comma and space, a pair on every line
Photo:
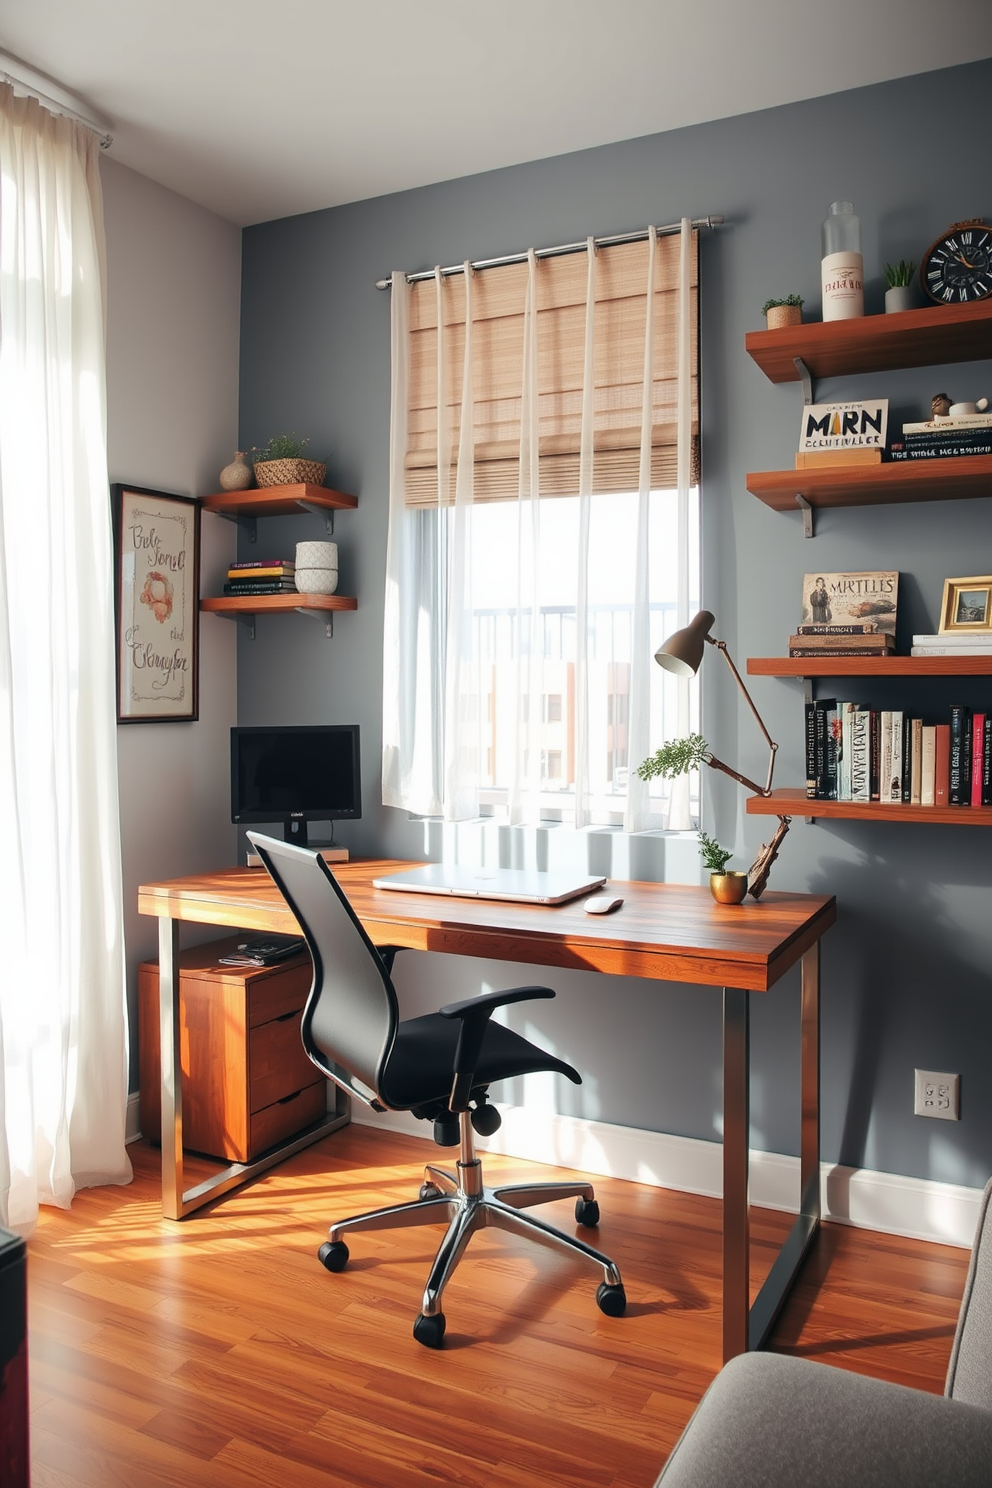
219, 1352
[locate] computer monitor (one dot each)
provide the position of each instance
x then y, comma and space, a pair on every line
295, 775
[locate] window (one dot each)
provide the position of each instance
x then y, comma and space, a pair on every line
543, 534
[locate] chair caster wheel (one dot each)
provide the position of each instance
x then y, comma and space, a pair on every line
611, 1299
429, 1330
429, 1191
587, 1213
333, 1255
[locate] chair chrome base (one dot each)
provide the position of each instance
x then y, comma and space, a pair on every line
468, 1205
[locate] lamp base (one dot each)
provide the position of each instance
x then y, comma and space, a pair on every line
757, 874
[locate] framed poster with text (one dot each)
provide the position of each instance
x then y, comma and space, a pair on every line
157, 605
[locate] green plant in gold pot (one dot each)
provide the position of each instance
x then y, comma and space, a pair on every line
726, 886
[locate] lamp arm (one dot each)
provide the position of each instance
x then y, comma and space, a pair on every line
773, 747
717, 764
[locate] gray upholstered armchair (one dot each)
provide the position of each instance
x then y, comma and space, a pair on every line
771, 1421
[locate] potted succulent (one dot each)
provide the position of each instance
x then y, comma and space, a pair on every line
900, 294
281, 463
787, 312
726, 886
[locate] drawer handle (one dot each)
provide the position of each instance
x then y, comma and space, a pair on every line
285, 1017
287, 1098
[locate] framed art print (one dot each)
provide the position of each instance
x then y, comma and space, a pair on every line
967, 604
157, 605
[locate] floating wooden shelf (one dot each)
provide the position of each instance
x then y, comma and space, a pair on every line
275, 604
875, 343
276, 501
792, 802
869, 666
950, 479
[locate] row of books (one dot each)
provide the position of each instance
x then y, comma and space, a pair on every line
262, 576
942, 438
856, 639
867, 754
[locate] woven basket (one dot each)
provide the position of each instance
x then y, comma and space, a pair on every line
290, 473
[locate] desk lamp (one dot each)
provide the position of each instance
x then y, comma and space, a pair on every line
682, 654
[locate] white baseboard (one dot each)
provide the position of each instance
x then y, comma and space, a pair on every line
918, 1208
132, 1121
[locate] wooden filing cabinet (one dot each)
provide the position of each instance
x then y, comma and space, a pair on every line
247, 1083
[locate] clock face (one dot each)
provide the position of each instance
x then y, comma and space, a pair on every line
958, 268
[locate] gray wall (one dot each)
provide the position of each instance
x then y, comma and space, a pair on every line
907, 970
173, 278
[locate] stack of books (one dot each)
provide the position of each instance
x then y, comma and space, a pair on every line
856, 639
942, 438
866, 754
262, 576
956, 643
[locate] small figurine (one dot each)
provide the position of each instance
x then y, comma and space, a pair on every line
939, 405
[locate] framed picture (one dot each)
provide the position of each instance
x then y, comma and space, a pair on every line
967, 604
157, 605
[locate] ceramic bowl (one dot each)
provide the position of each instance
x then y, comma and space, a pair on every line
316, 580
316, 555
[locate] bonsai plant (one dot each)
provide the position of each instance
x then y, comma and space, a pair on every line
899, 278
727, 887
281, 463
787, 312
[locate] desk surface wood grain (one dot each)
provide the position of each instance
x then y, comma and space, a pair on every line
670, 932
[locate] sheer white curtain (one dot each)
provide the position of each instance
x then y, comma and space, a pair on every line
496, 604
63, 1064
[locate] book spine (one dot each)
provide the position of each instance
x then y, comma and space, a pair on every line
265, 563
962, 425
977, 757
820, 744
847, 711
260, 573
939, 452
264, 588
987, 762
894, 776
874, 758
813, 651
941, 764
869, 627
831, 751
811, 751
907, 760
915, 760
985, 650
956, 641
860, 754
844, 642
922, 437
958, 790
884, 754
927, 750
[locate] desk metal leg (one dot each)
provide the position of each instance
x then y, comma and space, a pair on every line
736, 1131
178, 1202
741, 1329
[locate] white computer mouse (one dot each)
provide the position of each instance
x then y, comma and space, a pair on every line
602, 903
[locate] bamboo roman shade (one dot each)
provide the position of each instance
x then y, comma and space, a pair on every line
497, 300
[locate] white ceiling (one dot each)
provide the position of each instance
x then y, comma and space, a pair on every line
260, 110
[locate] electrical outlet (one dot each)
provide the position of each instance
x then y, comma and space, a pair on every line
936, 1095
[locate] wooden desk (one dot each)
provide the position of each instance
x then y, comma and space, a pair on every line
668, 932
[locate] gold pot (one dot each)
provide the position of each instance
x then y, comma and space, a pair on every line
783, 315
728, 888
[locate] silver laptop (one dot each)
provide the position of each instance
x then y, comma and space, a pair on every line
520, 885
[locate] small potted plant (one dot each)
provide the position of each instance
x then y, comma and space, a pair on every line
900, 294
779, 313
727, 887
281, 463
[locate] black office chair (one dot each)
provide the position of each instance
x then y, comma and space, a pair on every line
439, 1067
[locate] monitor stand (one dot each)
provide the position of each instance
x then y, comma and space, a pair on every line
295, 831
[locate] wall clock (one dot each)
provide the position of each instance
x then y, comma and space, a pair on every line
957, 268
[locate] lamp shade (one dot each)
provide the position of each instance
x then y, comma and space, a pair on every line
683, 651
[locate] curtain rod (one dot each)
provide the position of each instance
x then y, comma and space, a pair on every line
510, 258
52, 96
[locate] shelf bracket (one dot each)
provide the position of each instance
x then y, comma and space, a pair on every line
247, 525
320, 615
248, 621
805, 379
320, 511
807, 512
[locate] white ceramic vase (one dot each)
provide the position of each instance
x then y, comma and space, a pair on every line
237, 476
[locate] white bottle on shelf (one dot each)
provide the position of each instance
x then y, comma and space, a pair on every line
842, 271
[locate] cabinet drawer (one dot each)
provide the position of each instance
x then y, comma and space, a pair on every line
277, 1062
279, 990
285, 1117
